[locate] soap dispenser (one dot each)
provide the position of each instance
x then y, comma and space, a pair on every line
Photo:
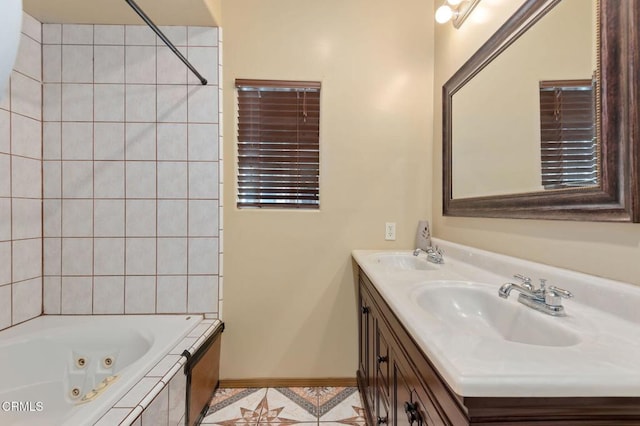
10, 27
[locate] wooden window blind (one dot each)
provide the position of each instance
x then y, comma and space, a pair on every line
278, 144
569, 152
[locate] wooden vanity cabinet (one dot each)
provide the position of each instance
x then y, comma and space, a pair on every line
400, 387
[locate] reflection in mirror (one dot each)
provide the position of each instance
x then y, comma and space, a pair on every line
508, 123
503, 143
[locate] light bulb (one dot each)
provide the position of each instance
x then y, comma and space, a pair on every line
454, 2
444, 14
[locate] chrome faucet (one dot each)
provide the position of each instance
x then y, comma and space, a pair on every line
434, 254
545, 299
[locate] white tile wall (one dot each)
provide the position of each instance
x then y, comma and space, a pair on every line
21, 184
130, 167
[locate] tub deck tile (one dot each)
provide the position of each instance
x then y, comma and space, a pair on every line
113, 417
164, 366
138, 392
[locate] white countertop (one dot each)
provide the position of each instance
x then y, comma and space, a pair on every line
604, 314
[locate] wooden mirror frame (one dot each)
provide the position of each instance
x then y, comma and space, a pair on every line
617, 198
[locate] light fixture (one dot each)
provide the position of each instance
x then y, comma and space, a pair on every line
456, 11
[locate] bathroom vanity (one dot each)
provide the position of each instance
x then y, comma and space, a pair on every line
438, 346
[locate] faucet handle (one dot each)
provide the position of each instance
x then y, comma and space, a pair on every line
543, 284
553, 295
526, 281
561, 292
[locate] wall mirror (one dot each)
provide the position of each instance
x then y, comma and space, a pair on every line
542, 122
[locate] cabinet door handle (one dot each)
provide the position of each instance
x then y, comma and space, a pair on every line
382, 359
411, 410
365, 310
382, 420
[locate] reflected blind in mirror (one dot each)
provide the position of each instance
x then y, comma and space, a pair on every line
278, 144
569, 153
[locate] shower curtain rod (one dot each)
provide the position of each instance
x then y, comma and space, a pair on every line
166, 41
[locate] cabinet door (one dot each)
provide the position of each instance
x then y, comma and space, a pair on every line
363, 335
408, 410
367, 331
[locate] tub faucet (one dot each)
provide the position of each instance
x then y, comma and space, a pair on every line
544, 299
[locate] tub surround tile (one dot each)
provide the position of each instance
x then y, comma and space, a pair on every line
108, 295
5, 258
109, 64
156, 412
131, 169
133, 418
177, 34
154, 401
139, 35
77, 34
26, 259
140, 64
77, 64
164, 366
205, 60
115, 416
52, 289
171, 70
140, 141
185, 344
154, 404
28, 61
177, 396
76, 295
21, 224
5, 306
77, 102
51, 33
53, 257
175, 372
27, 300
137, 393
26, 139
31, 27
109, 102
203, 36
108, 141
108, 34
52, 102
140, 294
172, 294
26, 96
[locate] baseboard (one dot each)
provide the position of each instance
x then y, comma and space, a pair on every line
289, 383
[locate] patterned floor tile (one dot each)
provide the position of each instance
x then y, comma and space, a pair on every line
235, 407
344, 408
290, 405
286, 406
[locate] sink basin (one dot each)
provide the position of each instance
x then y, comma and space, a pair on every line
404, 261
476, 308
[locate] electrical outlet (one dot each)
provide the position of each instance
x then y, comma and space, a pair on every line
390, 231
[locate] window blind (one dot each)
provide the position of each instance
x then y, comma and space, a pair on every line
278, 144
569, 152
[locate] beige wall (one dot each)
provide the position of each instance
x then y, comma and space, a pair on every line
603, 249
289, 295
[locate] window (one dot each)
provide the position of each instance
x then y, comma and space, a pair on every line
569, 152
278, 144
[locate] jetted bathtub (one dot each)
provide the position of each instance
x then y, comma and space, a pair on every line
69, 370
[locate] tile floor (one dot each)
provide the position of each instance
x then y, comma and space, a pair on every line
286, 406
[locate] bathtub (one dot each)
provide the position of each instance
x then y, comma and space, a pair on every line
69, 370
